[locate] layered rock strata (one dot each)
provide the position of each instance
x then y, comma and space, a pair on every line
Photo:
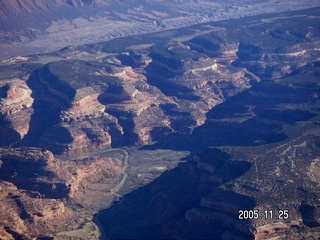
15, 110
42, 195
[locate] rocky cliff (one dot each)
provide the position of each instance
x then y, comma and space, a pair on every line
124, 99
16, 110
246, 91
42, 195
214, 190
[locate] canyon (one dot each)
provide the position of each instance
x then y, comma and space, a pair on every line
165, 135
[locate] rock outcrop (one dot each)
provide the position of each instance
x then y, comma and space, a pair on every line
253, 95
15, 110
77, 106
41, 195
204, 208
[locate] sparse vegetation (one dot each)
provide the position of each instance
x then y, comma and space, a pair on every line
240, 96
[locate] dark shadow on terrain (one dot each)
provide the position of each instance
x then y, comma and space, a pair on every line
208, 44
126, 120
161, 73
251, 132
251, 118
7, 135
45, 238
23, 214
255, 117
160, 133
14, 234
247, 54
158, 210
24, 175
179, 120
205, 43
58, 137
133, 60
46, 113
308, 215
113, 94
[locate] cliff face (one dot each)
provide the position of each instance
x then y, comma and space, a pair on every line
87, 104
42, 195
132, 96
70, 110
16, 110
23, 192
204, 197
250, 88
188, 214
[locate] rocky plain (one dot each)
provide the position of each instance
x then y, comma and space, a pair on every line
166, 135
29, 27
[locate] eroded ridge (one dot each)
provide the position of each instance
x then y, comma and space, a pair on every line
247, 91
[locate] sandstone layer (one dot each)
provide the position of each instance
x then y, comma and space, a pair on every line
16, 109
127, 98
246, 91
42, 195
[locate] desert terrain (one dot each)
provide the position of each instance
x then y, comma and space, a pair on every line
79, 22
167, 132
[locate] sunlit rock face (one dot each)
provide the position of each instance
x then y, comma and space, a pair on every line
133, 97
15, 110
246, 91
39, 192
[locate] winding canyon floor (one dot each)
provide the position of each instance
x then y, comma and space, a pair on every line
168, 135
